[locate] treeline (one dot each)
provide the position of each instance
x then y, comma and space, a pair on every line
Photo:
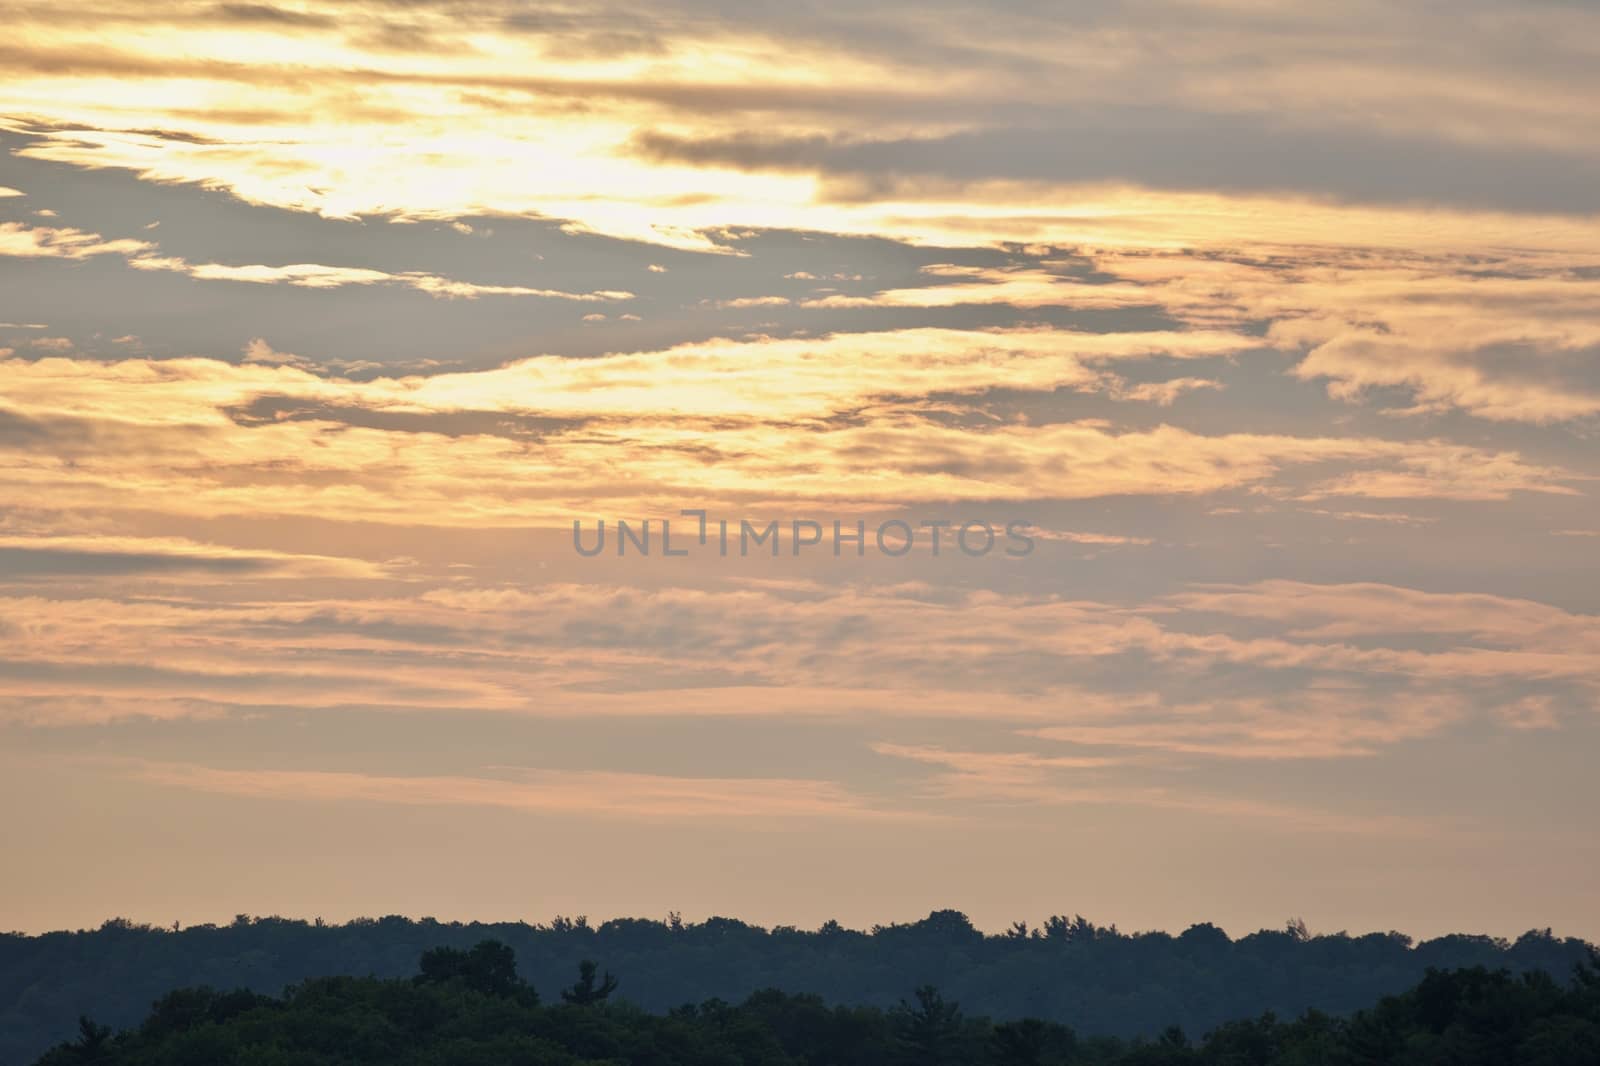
470, 1008
1095, 979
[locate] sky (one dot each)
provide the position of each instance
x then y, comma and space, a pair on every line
1271, 330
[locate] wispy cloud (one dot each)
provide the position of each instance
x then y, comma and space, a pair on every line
20, 241
318, 276
1013, 779
1311, 671
717, 423
596, 793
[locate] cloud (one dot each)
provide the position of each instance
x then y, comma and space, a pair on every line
984, 285
1013, 779
43, 242
17, 240
1447, 473
582, 793
1164, 393
1127, 125
1177, 148
1392, 517
1349, 610
318, 276
1506, 336
743, 302
1309, 725
1076, 537
1530, 712
259, 351
774, 377
996, 769
719, 423
255, 14
34, 557
1272, 671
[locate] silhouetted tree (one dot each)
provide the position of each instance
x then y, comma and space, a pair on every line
91, 1038
490, 967
927, 1028
586, 993
1019, 1043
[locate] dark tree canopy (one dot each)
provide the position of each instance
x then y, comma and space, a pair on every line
452, 1015
1065, 969
489, 967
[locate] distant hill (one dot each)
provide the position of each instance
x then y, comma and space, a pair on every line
1097, 980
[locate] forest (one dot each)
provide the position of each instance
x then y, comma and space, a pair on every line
470, 1008
1068, 973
